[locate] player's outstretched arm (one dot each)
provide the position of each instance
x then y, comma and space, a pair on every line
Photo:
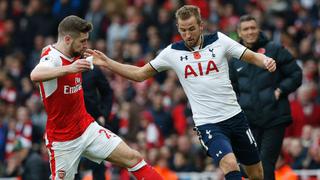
260, 60
131, 72
45, 73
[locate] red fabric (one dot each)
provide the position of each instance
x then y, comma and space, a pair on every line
300, 118
67, 114
52, 160
124, 174
203, 5
179, 119
147, 173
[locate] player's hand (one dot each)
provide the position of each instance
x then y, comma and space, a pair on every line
79, 65
99, 58
270, 64
277, 93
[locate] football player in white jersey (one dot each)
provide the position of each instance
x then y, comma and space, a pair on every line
200, 62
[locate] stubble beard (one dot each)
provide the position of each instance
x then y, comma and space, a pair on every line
194, 43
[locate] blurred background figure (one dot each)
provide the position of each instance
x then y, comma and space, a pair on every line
135, 31
265, 102
98, 100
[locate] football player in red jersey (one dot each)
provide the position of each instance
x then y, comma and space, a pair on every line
70, 131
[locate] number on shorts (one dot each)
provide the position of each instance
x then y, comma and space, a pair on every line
106, 132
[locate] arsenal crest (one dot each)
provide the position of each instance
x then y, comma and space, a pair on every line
61, 173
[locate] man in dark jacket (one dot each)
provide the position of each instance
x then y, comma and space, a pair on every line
98, 99
263, 96
97, 95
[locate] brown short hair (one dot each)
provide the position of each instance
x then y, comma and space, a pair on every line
186, 11
247, 17
73, 26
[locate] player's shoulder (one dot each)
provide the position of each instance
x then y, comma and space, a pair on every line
48, 53
210, 38
178, 46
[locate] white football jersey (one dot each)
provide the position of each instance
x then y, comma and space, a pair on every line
204, 75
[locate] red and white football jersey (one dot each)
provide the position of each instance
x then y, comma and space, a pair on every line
63, 99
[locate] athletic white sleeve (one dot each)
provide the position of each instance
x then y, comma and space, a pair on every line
232, 47
161, 62
48, 61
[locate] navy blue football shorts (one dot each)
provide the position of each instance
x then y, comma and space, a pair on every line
230, 136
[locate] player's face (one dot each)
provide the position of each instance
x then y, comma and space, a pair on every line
79, 45
249, 31
190, 31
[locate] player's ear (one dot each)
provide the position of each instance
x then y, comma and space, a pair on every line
201, 26
67, 39
239, 32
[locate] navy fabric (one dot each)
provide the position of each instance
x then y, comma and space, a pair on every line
208, 39
233, 175
229, 136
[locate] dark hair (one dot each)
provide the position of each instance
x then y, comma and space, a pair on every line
186, 11
73, 26
247, 17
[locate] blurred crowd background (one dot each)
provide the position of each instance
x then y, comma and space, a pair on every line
152, 116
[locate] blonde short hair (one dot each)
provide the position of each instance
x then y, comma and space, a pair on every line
187, 11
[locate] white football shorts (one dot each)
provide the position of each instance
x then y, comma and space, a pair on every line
96, 144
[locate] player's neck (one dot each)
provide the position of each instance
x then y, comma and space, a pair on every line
198, 45
200, 41
62, 48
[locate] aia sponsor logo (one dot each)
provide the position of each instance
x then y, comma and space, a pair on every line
202, 68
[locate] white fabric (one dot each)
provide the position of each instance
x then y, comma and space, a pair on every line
137, 166
96, 144
208, 88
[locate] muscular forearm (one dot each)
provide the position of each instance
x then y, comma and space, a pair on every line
128, 71
48, 73
254, 58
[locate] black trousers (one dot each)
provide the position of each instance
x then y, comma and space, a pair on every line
269, 143
98, 170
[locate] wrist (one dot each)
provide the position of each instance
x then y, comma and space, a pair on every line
66, 69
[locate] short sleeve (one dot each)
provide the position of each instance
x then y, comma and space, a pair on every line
232, 47
161, 62
47, 61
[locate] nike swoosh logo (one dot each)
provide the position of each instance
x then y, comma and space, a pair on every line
239, 69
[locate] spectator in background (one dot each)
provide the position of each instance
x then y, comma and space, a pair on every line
96, 15
265, 99
305, 110
161, 115
3, 136
21, 159
284, 171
